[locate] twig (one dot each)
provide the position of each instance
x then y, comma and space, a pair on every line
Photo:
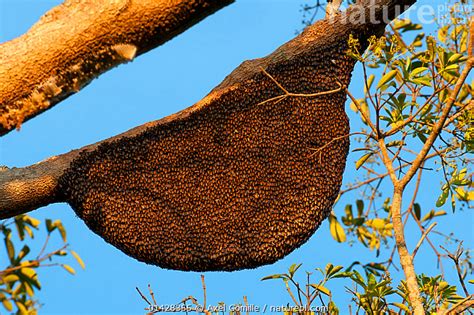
433, 247
462, 305
246, 302
362, 112
317, 150
461, 110
455, 257
290, 293
143, 296
423, 236
204, 291
288, 94
34, 263
44, 246
152, 294
393, 131
439, 125
372, 179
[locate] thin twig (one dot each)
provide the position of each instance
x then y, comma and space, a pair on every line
372, 179
44, 246
362, 112
204, 291
291, 293
152, 294
455, 258
143, 296
331, 141
439, 125
34, 263
246, 303
399, 127
423, 236
288, 94
462, 305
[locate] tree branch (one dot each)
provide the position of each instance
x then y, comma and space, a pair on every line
77, 41
25, 189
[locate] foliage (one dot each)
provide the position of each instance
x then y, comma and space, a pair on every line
415, 92
19, 280
409, 78
411, 81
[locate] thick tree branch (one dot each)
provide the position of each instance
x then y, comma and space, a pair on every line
77, 41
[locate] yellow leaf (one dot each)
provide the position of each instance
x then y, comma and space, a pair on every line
470, 195
21, 308
69, 269
28, 289
336, 229
61, 229
29, 231
79, 260
8, 305
10, 278
29, 272
377, 223
386, 78
363, 159
34, 222
322, 289
462, 194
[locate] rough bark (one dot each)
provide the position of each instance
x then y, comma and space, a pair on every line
80, 39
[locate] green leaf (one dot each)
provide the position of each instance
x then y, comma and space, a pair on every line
336, 229
49, 225
417, 71
293, 268
442, 198
79, 260
424, 80
349, 215
421, 136
377, 266
276, 276
69, 269
360, 207
417, 209
386, 78
454, 58
334, 270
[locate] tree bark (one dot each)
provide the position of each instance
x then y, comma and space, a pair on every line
77, 41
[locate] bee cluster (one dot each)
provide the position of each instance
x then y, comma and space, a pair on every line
234, 184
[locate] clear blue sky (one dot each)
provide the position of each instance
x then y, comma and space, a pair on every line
159, 83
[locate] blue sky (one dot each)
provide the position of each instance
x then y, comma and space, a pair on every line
154, 85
